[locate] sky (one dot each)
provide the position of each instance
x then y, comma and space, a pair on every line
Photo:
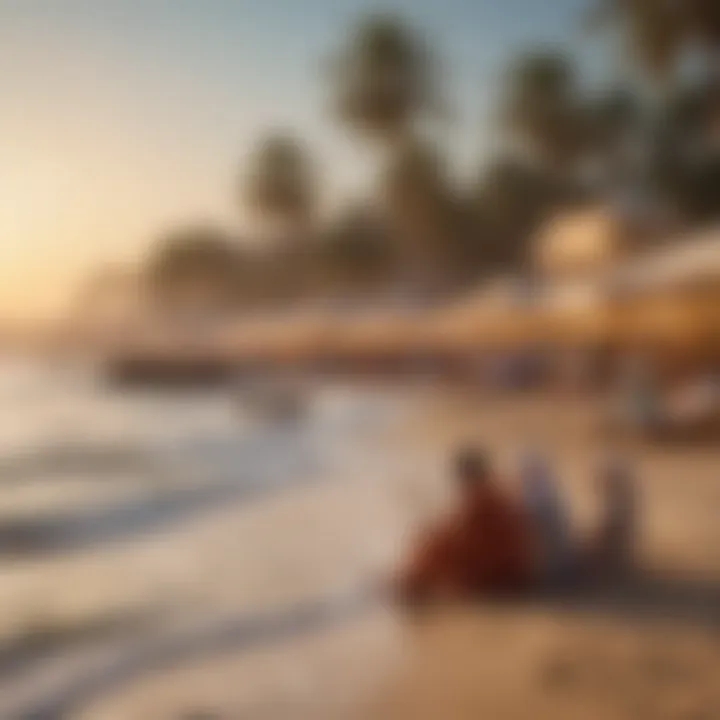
121, 119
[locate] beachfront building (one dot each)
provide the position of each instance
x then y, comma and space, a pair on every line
584, 242
670, 298
620, 278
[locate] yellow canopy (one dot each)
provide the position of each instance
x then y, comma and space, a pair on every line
379, 333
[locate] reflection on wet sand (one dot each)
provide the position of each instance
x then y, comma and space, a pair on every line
679, 602
193, 645
263, 581
83, 529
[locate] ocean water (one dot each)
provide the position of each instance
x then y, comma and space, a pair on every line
165, 554
65, 420
234, 528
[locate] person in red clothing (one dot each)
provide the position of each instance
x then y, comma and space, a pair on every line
484, 547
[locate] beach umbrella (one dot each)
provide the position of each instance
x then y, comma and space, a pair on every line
574, 314
481, 323
380, 333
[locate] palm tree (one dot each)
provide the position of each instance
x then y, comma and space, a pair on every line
686, 166
357, 252
386, 88
657, 33
541, 112
614, 126
197, 266
384, 80
418, 206
509, 203
703, 22
683, 128
279, 185
652, 32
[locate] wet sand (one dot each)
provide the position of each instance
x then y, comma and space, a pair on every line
266, 609
649, 650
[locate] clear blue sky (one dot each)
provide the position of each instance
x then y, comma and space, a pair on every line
120, 117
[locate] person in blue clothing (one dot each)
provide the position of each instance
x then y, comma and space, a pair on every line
548, 513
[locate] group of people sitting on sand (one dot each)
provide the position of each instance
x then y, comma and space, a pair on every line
499, 542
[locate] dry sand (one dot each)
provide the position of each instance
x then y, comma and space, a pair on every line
624, 657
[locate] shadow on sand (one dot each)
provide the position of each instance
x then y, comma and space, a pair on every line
645, 597
672, 600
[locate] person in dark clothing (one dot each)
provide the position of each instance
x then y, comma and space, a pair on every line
612, 549
484, 546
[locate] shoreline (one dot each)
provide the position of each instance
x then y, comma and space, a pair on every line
384, 473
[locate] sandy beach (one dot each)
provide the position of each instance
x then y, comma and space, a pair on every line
263, 604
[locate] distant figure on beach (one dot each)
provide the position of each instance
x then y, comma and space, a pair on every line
612, 549
548, 514
484, 547
642, 398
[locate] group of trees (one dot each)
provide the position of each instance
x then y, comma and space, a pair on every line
560, 144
